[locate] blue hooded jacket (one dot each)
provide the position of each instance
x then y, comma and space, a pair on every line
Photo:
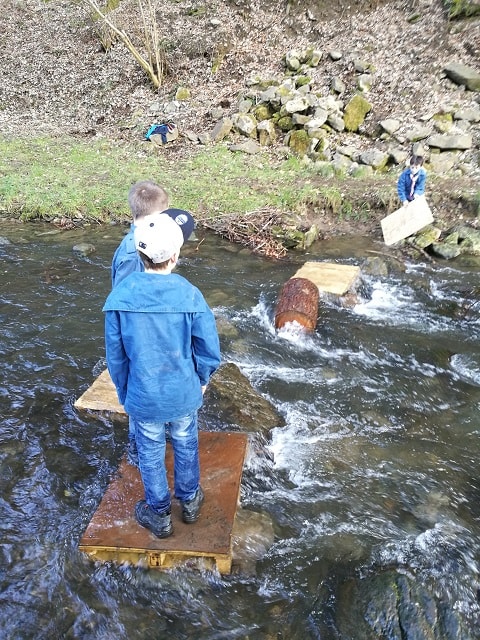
125, 259
161, 343
404, 184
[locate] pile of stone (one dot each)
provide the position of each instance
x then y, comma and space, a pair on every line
290, 111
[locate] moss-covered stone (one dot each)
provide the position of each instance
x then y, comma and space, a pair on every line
182, 93
302, 81
355, 112
285, 123
262, 112
299, 142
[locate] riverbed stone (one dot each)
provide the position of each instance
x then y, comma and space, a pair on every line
394, 605
84, 248
426, 237
449, 248
231, 403
252, 536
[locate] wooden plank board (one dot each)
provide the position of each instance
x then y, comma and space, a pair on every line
113, 534
330, 277
100, 396
406, 221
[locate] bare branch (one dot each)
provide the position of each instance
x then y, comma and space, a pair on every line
153, 66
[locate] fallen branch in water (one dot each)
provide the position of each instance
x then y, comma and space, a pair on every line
252, 229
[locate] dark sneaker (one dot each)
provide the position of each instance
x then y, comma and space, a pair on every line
191, 508
132, 453
159, 523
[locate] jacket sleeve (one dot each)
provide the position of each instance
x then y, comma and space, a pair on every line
420, 184
117, 360
402, 186
205, 345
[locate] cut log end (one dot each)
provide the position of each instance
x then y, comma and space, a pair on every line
298, 302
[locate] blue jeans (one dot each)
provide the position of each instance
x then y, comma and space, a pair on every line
151, 444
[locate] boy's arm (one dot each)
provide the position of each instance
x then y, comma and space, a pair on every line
205, 346
401, 187
117, 360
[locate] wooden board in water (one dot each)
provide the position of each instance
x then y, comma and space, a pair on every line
114, 535
406, 221
330, 277
100, 396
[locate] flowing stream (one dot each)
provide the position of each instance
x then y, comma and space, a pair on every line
375, 472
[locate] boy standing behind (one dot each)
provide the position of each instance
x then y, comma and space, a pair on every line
145, 197
162, 347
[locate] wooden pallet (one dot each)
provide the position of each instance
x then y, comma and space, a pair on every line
114, 535
330, 277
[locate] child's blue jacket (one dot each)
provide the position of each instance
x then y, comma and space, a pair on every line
161, 344
404, 184
126, 258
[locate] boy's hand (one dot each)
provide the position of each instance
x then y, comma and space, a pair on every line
203, 388
404, 203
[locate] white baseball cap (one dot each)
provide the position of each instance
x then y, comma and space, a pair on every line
158, 236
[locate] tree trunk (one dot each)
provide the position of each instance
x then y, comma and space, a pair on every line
298, 302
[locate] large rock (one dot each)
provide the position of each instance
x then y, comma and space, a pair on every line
232, 404
355, 112
221, 129
395, 605
463, 75
374, 158
459, 141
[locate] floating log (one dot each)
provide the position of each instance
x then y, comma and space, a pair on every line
298, 302
299, 297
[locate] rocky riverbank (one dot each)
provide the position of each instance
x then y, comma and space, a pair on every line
229, 60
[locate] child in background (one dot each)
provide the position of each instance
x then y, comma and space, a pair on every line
145, 197
411, 183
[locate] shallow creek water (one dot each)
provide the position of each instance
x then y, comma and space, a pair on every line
376, 468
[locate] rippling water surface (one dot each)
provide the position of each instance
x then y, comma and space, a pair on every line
376, 469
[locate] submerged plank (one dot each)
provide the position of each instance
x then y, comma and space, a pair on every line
406, 221
114, 535
330, 277
100, 396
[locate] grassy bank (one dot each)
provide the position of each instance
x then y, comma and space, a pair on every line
47, 178
88, 180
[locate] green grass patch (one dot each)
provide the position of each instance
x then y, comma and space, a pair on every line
47, 178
